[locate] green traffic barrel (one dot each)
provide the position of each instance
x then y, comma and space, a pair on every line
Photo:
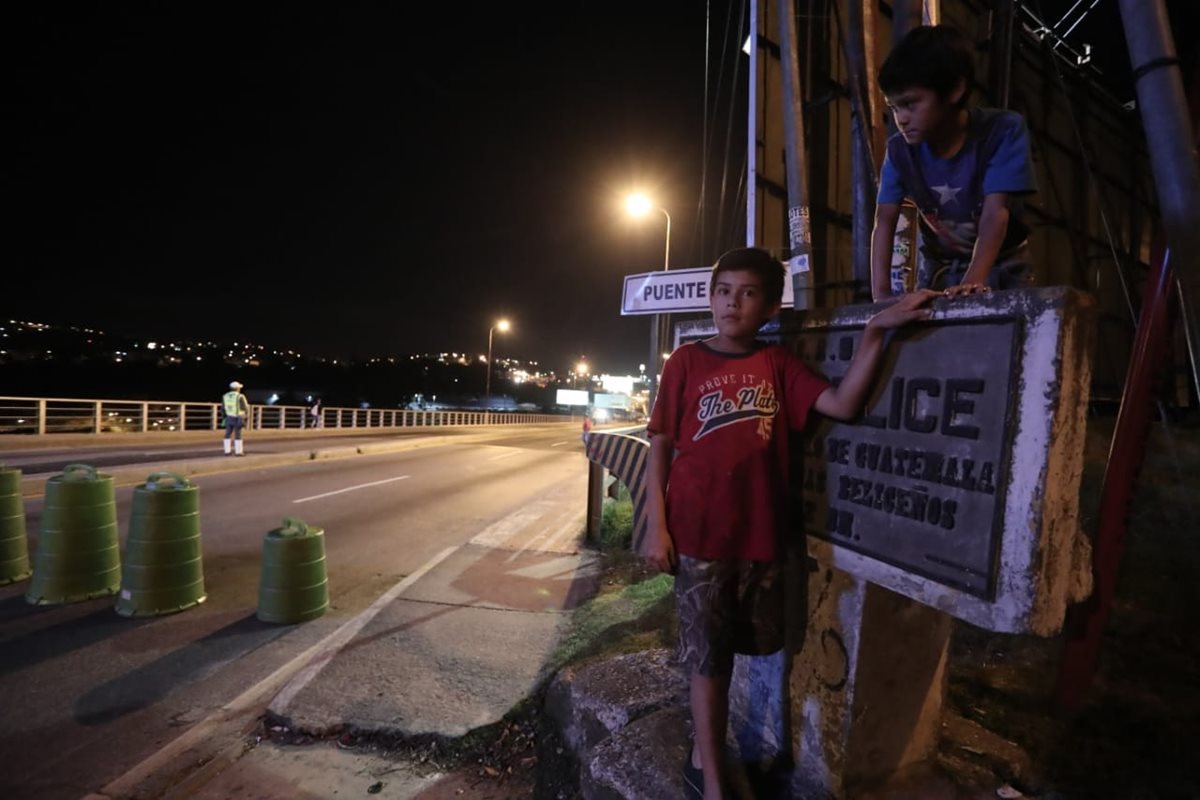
77, 556
162, 571
293, 587
14, 543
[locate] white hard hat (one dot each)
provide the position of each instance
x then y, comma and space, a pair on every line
235, 385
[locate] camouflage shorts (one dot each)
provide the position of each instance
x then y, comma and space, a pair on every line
727, 607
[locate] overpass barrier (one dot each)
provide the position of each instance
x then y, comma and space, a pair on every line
623, 452
51, 415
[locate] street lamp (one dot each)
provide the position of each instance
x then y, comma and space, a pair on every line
639, 205
503, 326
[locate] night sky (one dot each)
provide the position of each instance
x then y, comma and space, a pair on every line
356, 182
350, 181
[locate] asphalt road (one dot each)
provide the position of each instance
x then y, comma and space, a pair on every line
87, 694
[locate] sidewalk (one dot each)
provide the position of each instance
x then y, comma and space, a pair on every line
455, 646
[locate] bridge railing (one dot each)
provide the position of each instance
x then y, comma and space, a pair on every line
51, 415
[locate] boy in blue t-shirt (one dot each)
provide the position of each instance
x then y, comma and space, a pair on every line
965, 169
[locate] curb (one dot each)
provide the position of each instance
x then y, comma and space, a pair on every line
33, 486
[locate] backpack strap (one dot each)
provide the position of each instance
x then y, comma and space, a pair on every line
988, 134
911, 177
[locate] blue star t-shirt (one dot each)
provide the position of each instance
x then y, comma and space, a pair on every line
949, 192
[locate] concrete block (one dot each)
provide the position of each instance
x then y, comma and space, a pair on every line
866, 690
591, 702
758, 708
642, 761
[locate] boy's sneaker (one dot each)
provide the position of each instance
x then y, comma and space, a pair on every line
693, 779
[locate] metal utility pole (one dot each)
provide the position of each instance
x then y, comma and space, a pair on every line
1086, 621
869, 20
767, 153
931, 14
866, 133
906, 15
1004, 16
798, 216
660, 330
1172, 145
752, 131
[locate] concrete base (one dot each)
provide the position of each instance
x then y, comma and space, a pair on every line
837, 717
595, 701
867, 687
855, 698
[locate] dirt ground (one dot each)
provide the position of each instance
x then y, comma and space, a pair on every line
1138, 735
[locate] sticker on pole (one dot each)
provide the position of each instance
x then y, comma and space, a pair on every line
675, 291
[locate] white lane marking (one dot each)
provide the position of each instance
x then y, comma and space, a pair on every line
499, 532
323, 651
568, 538
553, 536
559, 444
350, 489
506, 455
330, 646
562, 568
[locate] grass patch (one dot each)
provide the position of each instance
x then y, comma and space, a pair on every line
616, 522
635, 608
624, 619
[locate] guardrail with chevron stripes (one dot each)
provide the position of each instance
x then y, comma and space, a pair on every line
625, 456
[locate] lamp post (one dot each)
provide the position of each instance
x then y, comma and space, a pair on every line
503, 326
639, 205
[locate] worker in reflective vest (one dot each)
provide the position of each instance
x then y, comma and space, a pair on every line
237, 409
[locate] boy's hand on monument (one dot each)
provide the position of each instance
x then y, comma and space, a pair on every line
967, 288
845, 401
659, 550
906, 309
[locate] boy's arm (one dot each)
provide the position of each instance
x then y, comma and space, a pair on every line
658, 548
846, 400
882, 238
993, 227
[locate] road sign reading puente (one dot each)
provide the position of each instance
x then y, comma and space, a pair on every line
673, 291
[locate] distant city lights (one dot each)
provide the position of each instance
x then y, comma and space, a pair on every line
26, 341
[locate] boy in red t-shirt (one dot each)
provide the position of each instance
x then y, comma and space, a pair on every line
718, 481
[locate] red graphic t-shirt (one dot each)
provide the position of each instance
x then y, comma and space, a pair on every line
729, 415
